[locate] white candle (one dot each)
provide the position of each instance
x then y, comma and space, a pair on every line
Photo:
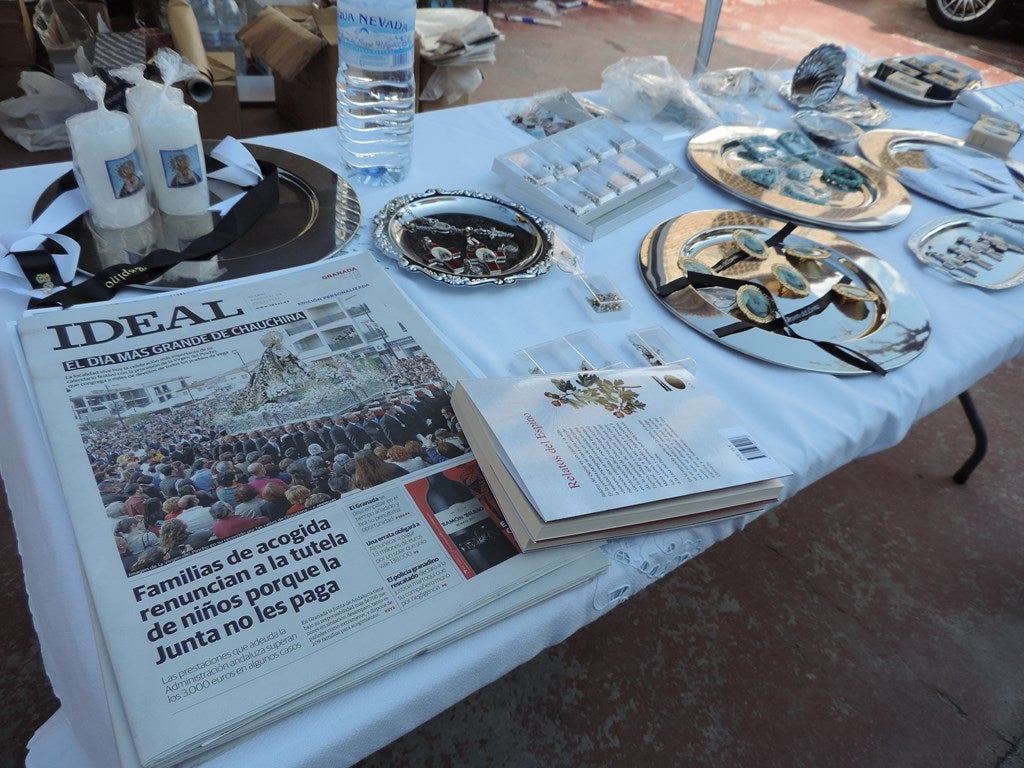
173, 152
140, 98
109, 168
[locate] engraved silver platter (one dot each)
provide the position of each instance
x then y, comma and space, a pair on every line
464, 238
880, 202
893, 150
985, 252
317, 212
890, 331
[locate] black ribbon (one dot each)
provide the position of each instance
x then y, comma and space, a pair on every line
255, 203
40, 268
782, 323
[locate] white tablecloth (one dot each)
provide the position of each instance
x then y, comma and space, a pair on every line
812, 423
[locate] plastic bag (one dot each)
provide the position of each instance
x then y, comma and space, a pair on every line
36, 120
452, 83
548, 113
650, 89
60, 25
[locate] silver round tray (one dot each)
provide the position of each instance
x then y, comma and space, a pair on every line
890, 331
464, 238
985, 252
881, 201
893, 150
317, 213
867, 77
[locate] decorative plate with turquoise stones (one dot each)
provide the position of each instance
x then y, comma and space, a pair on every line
784, 172
791, 310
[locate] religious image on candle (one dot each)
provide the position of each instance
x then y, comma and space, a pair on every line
182, 167
125, 174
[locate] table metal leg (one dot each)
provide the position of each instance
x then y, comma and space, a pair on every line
980, 438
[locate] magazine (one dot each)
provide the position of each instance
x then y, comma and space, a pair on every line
583, 455
266, 497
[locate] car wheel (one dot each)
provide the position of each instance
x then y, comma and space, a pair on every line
968, 15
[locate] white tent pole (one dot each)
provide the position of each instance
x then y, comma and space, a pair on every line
712, 9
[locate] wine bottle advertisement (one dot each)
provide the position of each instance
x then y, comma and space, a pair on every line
460, 509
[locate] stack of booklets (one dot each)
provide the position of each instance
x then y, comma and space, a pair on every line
212, 621
601, 454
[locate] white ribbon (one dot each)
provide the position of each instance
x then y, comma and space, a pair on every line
67, 207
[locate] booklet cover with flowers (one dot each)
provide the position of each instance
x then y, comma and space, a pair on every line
624, 446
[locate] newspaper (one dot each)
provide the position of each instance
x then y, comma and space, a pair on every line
226, 611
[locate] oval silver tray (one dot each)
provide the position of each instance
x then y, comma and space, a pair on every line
930, 244
881, 202
893, 150
891, 331
317, 212
464, 238
867, 77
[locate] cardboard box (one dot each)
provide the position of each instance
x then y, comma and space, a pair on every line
300, 44
222, 115
17, 38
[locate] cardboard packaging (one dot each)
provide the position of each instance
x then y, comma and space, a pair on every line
222, 115
300, 44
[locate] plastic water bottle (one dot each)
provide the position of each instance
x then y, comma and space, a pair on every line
376, 89
231, 19
209, 25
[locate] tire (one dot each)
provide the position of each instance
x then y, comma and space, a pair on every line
968, 15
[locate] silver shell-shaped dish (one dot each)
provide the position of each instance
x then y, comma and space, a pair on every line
891, 330
818, 76
868, 76
985, 252
879, 203
463, 237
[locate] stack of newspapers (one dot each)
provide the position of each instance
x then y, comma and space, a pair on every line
220, 612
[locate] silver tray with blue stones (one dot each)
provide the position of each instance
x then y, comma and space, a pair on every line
786, 173
827, 289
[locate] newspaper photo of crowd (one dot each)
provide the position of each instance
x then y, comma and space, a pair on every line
172, 481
